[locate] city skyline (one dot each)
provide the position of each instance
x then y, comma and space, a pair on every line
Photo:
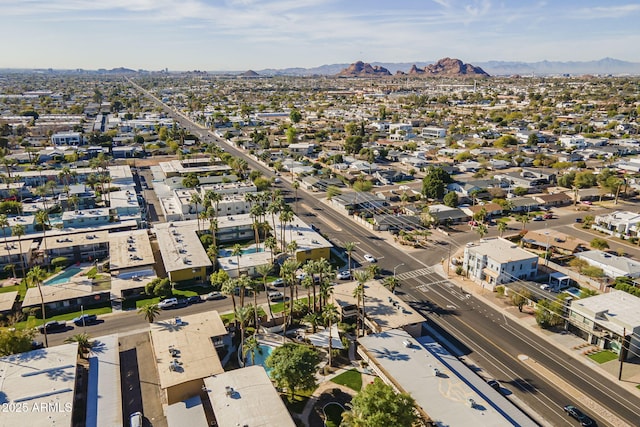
236, 35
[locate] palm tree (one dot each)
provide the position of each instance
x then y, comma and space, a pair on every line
362, 277
524, 219
330, 314
286, 216
149, 312
84, 343
74, 201
314, 319
237, 252
271, 243
242, 316
229, 288
256, 213
264, 270
35, 277
326, 273
19, 230
288, 273
4, 223
307, 283
482, 230
216, 198
502, 227
295, 185
349, 247
196, 200
242, 283
251, 346
42, 218
391, 283
357, 294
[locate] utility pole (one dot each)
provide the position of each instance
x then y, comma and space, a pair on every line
623, 352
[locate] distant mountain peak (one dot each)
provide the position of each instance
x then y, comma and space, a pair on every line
363, 69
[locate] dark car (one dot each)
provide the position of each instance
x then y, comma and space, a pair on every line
576, 413
195, 299
36, 345
495, 385
578, 219
53, 326
85, 319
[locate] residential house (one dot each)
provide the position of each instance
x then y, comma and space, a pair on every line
553, 200
618, 223
612, 265
442, 214
389, 176
495, 261
491, 209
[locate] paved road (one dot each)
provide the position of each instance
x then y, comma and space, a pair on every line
495, 344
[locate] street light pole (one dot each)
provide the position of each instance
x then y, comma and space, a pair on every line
394, 269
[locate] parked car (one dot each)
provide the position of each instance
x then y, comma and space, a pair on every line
578, 219
343, 275
301, 276
586, 202
370, 258
168, 303
548, 215
214, 295
85, 319
135, 419
583, 419
194, 299
545, 287
538, 218
53, 326
278, 283
36, 345
276, 296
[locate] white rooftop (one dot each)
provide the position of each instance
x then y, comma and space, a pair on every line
42, 382
615, 310
246, 397
188, 413
500, 250
443, 397
104, 396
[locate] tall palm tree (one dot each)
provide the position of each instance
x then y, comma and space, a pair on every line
272, 244
251, 347
35, 277
85, 344
288, 273
524, 219
331, 315
19, 230
42, 218
264, 270
286, 216
4, 224
314, 319
149, 312
256, 212
362, 277
229, 288
326, 290
391, 283
357, 294
349, 247
242, 283
482, 230
295, 185
196, 200
326, 273
236, 251
242, 316
216, 198
502, 227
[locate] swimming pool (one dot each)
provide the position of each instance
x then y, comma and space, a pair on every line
250, 250
260, 356
64, 276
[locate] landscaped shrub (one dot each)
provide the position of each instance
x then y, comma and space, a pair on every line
60, 262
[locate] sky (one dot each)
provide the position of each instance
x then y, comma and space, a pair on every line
238, 35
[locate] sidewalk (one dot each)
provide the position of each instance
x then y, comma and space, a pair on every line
569, 344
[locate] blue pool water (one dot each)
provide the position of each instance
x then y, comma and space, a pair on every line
261, 356
64, 276
251, 250
574, 291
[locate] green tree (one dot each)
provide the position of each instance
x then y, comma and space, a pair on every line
293, 366
451, 199
333, 191
349, 248
251, 347
330, 315
482, 230
520, 191
14, 341
378, 404
502, 227
548, 313
149, 312
353, 144
599, 243
295, 116
190, 181
434, 182
520, 297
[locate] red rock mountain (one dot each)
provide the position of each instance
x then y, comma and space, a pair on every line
363, 69
451, 67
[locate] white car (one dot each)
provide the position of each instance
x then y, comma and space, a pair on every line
276, 296
279, 282
168, 303
301, 276
370, 258
343, 275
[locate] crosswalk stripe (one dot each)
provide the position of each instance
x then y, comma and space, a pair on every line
414, 273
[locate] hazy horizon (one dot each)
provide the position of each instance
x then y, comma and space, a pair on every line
236, 35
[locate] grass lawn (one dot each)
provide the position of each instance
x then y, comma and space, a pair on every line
178, 293
33, 322
603, 356
352, 379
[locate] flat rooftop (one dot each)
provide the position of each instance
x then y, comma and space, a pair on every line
85, 214
104, 396
410, 364
180, 246
500, 250
192, 338
42, 382
7, 299
384, 309
79, 239
616, 310
130, 249
252, 400
53, 293
188, 413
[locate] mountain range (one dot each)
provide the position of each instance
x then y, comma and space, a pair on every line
605, 66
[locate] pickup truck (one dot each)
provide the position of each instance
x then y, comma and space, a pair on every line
85, 319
